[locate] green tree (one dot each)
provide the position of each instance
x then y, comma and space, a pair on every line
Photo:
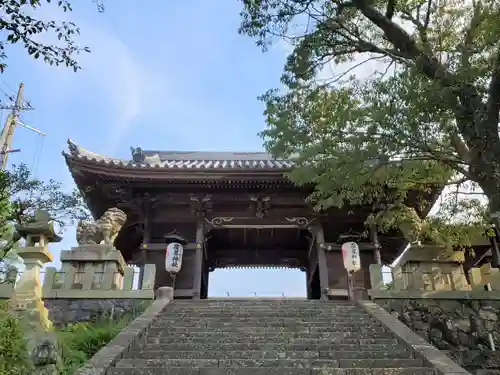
19, 24
426, 117
21, 195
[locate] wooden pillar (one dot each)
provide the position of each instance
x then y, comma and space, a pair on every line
322, 262
146, 239
374, 240
308, 283
198, 264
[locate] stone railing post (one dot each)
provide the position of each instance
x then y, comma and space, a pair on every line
398, 278
376, 277
7, 286
148, 283
48, 280
128, 278
475, 277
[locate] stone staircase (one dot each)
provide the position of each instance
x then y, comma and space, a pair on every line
247, 337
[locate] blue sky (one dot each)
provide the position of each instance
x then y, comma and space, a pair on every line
169, 75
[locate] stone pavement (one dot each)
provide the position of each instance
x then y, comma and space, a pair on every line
280, 336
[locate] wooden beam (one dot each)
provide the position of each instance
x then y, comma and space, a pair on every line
333, 246
155, 246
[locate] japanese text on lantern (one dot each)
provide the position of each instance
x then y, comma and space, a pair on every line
173, 259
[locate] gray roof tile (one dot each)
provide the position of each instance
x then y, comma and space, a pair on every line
184, 160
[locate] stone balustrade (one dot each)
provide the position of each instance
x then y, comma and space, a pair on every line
8, 282
95, 284
96, 272
424, 268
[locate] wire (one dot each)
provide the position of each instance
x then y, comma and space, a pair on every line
39, 154
10, 97
6, 84
25, 102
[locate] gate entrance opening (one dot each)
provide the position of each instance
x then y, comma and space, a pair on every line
270, 251
261, 282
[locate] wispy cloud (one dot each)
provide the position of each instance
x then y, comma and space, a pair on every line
123, 81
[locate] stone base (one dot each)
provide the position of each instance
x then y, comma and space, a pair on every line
33, 310
63, 311
165, 293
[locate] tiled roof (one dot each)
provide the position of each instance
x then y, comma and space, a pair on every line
182, 160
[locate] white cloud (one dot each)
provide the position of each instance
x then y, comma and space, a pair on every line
122, 80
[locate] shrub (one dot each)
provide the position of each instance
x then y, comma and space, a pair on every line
13, 352
79, 342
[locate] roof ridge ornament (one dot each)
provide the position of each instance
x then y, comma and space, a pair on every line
73, 148
137, 154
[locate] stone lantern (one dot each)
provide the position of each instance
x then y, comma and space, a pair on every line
27, 300
28, 291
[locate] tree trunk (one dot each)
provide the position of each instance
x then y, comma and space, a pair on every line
486, 172
491, 189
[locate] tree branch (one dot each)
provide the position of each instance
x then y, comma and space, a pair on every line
460, 147
468, 101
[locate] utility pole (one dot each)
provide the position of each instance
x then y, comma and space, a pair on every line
10, 125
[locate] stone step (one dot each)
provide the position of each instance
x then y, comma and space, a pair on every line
261, 302
267, 343
263, 363
258, 323
266, 319
192, 319
166, 334
271, 354
231, 337
247, 315
243, 329
193, 305
173, 307
227, 363
200, 341
331, 307
263, 323
273, 371
345, 345
353, 309
264, 309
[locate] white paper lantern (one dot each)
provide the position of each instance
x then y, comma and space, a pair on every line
173, 257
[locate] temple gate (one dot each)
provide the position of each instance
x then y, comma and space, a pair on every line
234, 210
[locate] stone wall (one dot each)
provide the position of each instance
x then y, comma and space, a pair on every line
463, 327
65, 311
